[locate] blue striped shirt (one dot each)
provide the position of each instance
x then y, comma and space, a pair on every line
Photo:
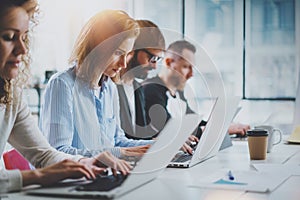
58, 118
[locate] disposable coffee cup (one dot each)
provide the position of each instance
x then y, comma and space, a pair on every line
257, 144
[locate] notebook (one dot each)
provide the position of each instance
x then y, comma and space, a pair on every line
148, 168
216, 128
294, 138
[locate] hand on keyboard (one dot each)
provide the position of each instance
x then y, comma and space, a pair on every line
193, 145
190, 145
106, 159
187, 149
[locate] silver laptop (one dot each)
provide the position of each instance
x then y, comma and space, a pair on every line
215, 130
148, 168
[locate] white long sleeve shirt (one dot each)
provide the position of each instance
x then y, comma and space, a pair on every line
18, 127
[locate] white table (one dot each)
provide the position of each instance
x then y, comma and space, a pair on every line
173, 183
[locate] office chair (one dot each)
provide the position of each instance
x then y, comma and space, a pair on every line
14, 160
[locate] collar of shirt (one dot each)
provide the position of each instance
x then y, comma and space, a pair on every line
99, 91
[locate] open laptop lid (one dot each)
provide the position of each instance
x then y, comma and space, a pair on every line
216, 129
170, 140
227, 139
149, 167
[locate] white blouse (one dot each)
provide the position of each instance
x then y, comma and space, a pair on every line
20, 130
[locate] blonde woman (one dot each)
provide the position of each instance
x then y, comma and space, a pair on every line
17, 125
80, 114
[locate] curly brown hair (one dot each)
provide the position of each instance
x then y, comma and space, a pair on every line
31, 7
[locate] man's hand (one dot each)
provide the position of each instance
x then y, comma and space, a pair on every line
134, 151
240, 129
187, 145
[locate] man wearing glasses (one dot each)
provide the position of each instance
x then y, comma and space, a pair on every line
164, 93
147, 51
161, 92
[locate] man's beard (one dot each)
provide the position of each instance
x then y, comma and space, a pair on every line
137, 69
177, 81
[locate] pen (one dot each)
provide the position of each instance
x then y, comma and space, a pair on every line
230, 175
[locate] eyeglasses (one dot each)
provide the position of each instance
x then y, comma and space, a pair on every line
152, 58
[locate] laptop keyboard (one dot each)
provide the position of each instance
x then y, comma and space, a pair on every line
182, 157
105, 183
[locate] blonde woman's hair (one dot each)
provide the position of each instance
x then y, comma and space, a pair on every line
31, 7
98, 40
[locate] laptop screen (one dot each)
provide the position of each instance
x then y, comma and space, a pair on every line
216, 128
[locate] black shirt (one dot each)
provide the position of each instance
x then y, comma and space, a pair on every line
156, 98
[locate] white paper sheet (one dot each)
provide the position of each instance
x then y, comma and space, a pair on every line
252, 181
288, 169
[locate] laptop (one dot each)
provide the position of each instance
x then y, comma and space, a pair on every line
227, 142
213, 135
148, 168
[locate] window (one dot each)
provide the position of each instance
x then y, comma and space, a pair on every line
270, 60
270, 49
59, 24
218, 27
167, 14
255, 44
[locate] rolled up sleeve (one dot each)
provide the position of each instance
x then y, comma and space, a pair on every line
10, 180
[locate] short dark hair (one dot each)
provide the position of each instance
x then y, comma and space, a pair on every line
178, 46
150, 36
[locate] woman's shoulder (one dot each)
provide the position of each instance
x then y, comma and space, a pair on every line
66, 77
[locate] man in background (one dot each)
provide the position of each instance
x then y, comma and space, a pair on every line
164, 93
147, 51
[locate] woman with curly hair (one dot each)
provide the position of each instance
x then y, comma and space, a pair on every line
17, 125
